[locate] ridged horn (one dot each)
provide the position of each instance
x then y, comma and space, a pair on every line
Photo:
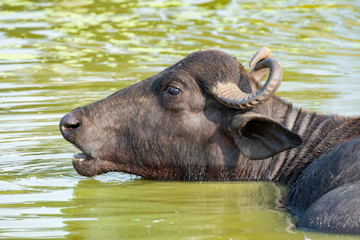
229, 94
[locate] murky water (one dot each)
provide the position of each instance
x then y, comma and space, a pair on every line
61, 54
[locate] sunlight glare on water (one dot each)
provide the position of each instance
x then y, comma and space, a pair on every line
59, 55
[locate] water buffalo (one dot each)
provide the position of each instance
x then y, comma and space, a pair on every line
207, 118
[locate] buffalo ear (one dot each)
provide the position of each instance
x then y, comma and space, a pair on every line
260, 137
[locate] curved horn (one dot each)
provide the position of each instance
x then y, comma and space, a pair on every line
229, 94
261, 54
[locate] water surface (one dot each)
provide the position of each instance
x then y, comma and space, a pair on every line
61, 54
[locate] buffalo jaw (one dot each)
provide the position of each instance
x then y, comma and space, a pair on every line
89, 166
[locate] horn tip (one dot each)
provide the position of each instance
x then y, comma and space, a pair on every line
263, 52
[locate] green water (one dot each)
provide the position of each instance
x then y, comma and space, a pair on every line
61, 54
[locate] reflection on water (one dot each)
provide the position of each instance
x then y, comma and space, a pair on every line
147, 209
58, 55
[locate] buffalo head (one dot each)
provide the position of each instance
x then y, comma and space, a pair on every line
194, 120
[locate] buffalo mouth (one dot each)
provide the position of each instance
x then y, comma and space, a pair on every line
88, 166
79, 157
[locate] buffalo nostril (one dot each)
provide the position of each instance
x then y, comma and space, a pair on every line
70, 127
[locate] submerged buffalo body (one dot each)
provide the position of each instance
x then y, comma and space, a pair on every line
207, 118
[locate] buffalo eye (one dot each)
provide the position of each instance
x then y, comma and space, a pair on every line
173, 91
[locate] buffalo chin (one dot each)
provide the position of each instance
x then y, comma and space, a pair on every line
88, 166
